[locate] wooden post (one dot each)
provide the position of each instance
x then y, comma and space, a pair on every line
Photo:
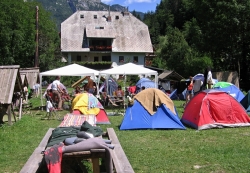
20, 107
9, 114
95, 164
36, 57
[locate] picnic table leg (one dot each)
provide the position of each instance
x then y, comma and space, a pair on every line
96, 167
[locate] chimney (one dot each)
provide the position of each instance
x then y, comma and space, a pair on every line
126, 13
109, 17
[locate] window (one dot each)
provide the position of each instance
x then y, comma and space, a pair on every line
81, 16
96, 59
135, 59
121, 58
116, 17
106, 58
78, 58
95, 16
99, 27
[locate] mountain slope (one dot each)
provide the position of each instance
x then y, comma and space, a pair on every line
62, 9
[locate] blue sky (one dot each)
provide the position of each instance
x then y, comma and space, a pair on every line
137, 5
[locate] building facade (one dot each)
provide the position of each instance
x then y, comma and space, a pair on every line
95, 36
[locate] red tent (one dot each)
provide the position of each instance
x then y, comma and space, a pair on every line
214, 109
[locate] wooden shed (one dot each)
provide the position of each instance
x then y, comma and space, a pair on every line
227, 76
169, 75
32, 75
169, 80
10, 86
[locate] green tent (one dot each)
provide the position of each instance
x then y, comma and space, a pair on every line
222, 85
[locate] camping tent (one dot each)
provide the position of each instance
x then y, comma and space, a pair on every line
69, 70
222, 84
146, 82
231, 89
88, 104
214, 109
245, 102
109, 83
146, 114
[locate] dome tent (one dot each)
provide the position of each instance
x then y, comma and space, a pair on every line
214, 109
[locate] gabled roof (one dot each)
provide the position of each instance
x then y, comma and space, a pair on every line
71, 70
128, 69
129, 33
170, 75
32, 75
10, 82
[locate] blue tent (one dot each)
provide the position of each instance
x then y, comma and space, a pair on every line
174, 95
245, 102
147, 83
137, 117
233, 91
112, 86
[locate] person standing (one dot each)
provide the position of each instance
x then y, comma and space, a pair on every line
190, 92
209, 78
36, 89
26, 92
56, 90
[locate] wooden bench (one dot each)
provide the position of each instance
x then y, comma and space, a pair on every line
120, 161
34, 161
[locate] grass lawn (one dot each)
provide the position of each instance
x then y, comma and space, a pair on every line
149, 151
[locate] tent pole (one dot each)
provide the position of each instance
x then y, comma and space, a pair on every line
41, 91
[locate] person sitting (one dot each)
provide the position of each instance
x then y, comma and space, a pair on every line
77, 91
90, 85
119, 93
65, 95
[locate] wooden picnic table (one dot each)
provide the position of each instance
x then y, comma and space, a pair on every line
119, 159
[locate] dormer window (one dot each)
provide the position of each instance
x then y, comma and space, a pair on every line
81, 16
116, 17
99, 27
95, 16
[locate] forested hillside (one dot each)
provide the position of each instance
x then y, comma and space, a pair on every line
18, 36
190, 35
61, 9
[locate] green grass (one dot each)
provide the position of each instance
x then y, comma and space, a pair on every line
149, 151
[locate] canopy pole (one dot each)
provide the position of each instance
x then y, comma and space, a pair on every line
124, 92
41, 91
97, 87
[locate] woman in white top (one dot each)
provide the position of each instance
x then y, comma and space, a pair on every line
209, 78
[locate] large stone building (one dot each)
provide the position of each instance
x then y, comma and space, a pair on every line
105, 36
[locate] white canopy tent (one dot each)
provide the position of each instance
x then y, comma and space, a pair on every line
69, 70
129, 69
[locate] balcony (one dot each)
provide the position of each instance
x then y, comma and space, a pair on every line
100, 48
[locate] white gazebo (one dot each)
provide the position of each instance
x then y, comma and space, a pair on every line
69, 70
